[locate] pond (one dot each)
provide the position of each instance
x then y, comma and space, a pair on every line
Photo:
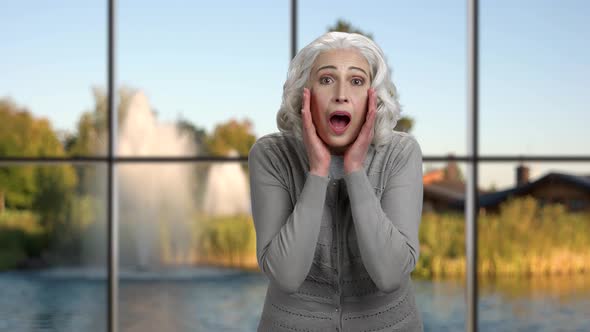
210, 299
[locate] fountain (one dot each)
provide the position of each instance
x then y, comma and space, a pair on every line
227, 190
156, 197
158, 202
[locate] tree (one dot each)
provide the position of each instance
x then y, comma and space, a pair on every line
47, 190
345, 26
91, 138
231, 135
199, 134
404, 123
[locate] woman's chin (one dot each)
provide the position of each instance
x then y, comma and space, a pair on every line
337, 147
337, 143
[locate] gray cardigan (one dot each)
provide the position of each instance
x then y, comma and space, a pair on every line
338, 252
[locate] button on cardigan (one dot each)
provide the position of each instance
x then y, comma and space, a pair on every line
337, 250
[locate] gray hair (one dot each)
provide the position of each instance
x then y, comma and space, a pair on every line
388, 107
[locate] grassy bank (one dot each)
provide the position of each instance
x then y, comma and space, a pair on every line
225, 241
524, 239
21, 237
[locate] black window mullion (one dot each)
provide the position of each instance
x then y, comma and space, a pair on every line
112, 220
472, 195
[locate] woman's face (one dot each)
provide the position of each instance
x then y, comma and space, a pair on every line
339, 83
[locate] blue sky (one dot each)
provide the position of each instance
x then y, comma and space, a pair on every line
211, 61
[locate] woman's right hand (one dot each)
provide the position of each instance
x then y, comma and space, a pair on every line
317, 151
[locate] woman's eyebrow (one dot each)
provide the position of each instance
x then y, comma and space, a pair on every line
334, 67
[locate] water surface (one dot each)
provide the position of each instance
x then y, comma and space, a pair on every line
208, 299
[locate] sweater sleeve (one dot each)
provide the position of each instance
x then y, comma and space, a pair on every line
286, 235
387, 231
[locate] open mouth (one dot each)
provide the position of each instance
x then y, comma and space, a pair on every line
339, 121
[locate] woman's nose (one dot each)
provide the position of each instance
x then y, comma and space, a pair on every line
340, 93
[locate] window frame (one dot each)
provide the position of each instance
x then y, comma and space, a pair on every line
472, 159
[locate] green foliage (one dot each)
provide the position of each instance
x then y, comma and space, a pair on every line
404, 124
48, 192
82, 213
91, 137
21, 236
523, 239
45, 190
234, 135
199, 134
18, 186
345, 26
231, 238
25, 234
24, 136
55, 185
441, 237
26, 221
92, 129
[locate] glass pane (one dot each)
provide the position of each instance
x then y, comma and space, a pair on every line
185, 69
187, 248
425, 49
52, 248
53, 71
534, 249
534, 69
440, 272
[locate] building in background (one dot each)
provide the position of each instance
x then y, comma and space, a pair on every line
444, 190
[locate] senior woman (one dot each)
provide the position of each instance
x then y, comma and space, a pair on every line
337, 196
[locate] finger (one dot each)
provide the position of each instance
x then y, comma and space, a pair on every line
373, 100
370, 117
306, 97
306, 115
304, 110
373, 108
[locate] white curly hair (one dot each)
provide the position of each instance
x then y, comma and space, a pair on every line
388, 107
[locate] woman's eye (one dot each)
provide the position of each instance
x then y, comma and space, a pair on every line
328, 80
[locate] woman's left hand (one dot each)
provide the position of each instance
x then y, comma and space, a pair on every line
356, 153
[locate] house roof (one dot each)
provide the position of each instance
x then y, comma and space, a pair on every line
495, 198
449, 190
442, 192
433, 176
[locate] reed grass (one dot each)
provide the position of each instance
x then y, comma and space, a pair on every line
523, 239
